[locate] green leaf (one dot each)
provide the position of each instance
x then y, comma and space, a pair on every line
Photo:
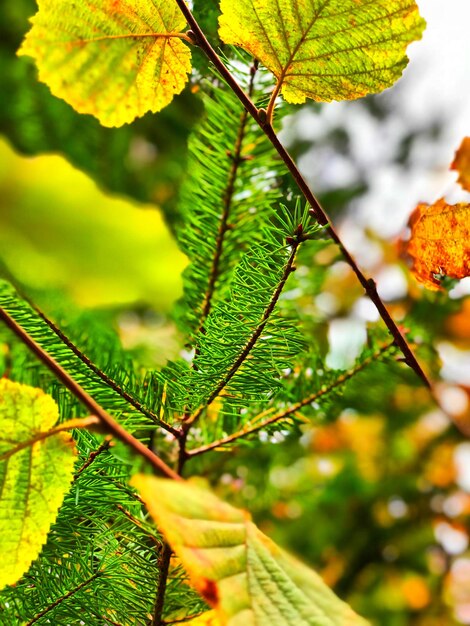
36, 468
325, 49
239, 571
115, 60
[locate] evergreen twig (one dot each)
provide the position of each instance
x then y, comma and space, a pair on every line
63, 598
162, 581
93, 456
236, 158
248, 347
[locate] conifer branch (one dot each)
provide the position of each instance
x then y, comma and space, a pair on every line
261, 118
63, 598
107, 422
224, 226
104, 377
250, 344
260, 421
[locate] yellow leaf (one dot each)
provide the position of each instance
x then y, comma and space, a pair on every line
325, 50
114, 59
35, 474
461, 163
245, 577
440, 242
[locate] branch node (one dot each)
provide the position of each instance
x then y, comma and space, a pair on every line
193, 37
263, 117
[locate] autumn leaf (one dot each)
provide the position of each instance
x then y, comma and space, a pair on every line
440, 242
36, 469
245, 577
114, 59
461, 163
333, 50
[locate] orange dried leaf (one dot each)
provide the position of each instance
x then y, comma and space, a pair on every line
461, 163
440, 242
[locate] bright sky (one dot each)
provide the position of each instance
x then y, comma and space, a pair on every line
435, 86
438, 76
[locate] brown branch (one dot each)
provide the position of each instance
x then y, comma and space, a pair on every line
261, 118
63, 598
253, 427
250, 344
104, 377
106, 420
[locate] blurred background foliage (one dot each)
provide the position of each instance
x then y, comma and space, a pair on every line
375, 491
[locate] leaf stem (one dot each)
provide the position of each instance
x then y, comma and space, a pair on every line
106, 420
79, 42
272, 102
85, 422
256, 425
262, 120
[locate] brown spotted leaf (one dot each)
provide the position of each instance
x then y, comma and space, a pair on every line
440, 242
325, 49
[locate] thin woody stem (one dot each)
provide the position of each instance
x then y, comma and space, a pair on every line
106, 420
162, 582
261, 118
104, 447
258, 423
